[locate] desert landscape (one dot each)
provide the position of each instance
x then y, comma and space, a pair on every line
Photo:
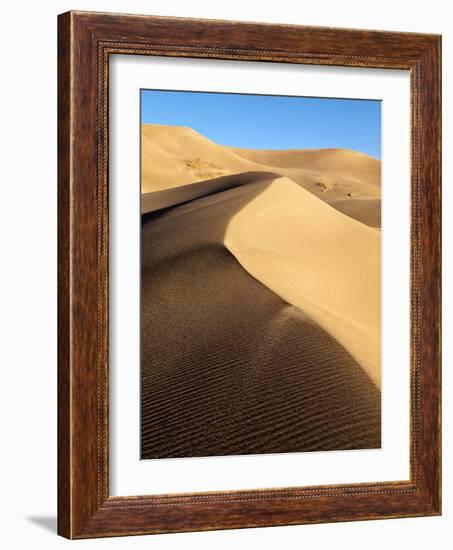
261, 300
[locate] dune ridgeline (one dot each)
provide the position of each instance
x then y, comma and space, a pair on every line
261, 298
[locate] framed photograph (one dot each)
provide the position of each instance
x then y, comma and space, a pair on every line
249, 275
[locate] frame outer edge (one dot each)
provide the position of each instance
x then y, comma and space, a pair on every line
64, 340
427, 271
438, 169
432, 152
82, 511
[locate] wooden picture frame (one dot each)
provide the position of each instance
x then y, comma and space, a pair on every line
85, 42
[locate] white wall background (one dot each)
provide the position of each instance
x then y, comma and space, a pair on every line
28, 216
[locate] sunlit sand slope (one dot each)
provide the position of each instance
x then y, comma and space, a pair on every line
347, 180
174, 156
318, 259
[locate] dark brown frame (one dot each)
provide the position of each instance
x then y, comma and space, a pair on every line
85, 42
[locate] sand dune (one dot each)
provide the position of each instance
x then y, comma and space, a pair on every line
343, 162
260, 298
213, 335
175, 156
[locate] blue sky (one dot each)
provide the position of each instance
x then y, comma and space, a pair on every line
269, 122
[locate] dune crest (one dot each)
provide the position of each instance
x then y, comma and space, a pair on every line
312, 256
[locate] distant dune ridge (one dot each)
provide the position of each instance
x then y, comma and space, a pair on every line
173, 156
260, 298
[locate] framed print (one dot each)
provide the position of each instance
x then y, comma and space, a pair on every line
249, 275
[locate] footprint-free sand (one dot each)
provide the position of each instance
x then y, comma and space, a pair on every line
260, 308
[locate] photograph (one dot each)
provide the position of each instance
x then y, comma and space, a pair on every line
249, 285
260, 307
225, 267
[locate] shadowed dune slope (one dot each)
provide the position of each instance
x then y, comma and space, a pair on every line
367, 211
174, 156
228, 366
157, 200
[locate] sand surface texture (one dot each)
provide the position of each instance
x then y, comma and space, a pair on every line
260, 298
